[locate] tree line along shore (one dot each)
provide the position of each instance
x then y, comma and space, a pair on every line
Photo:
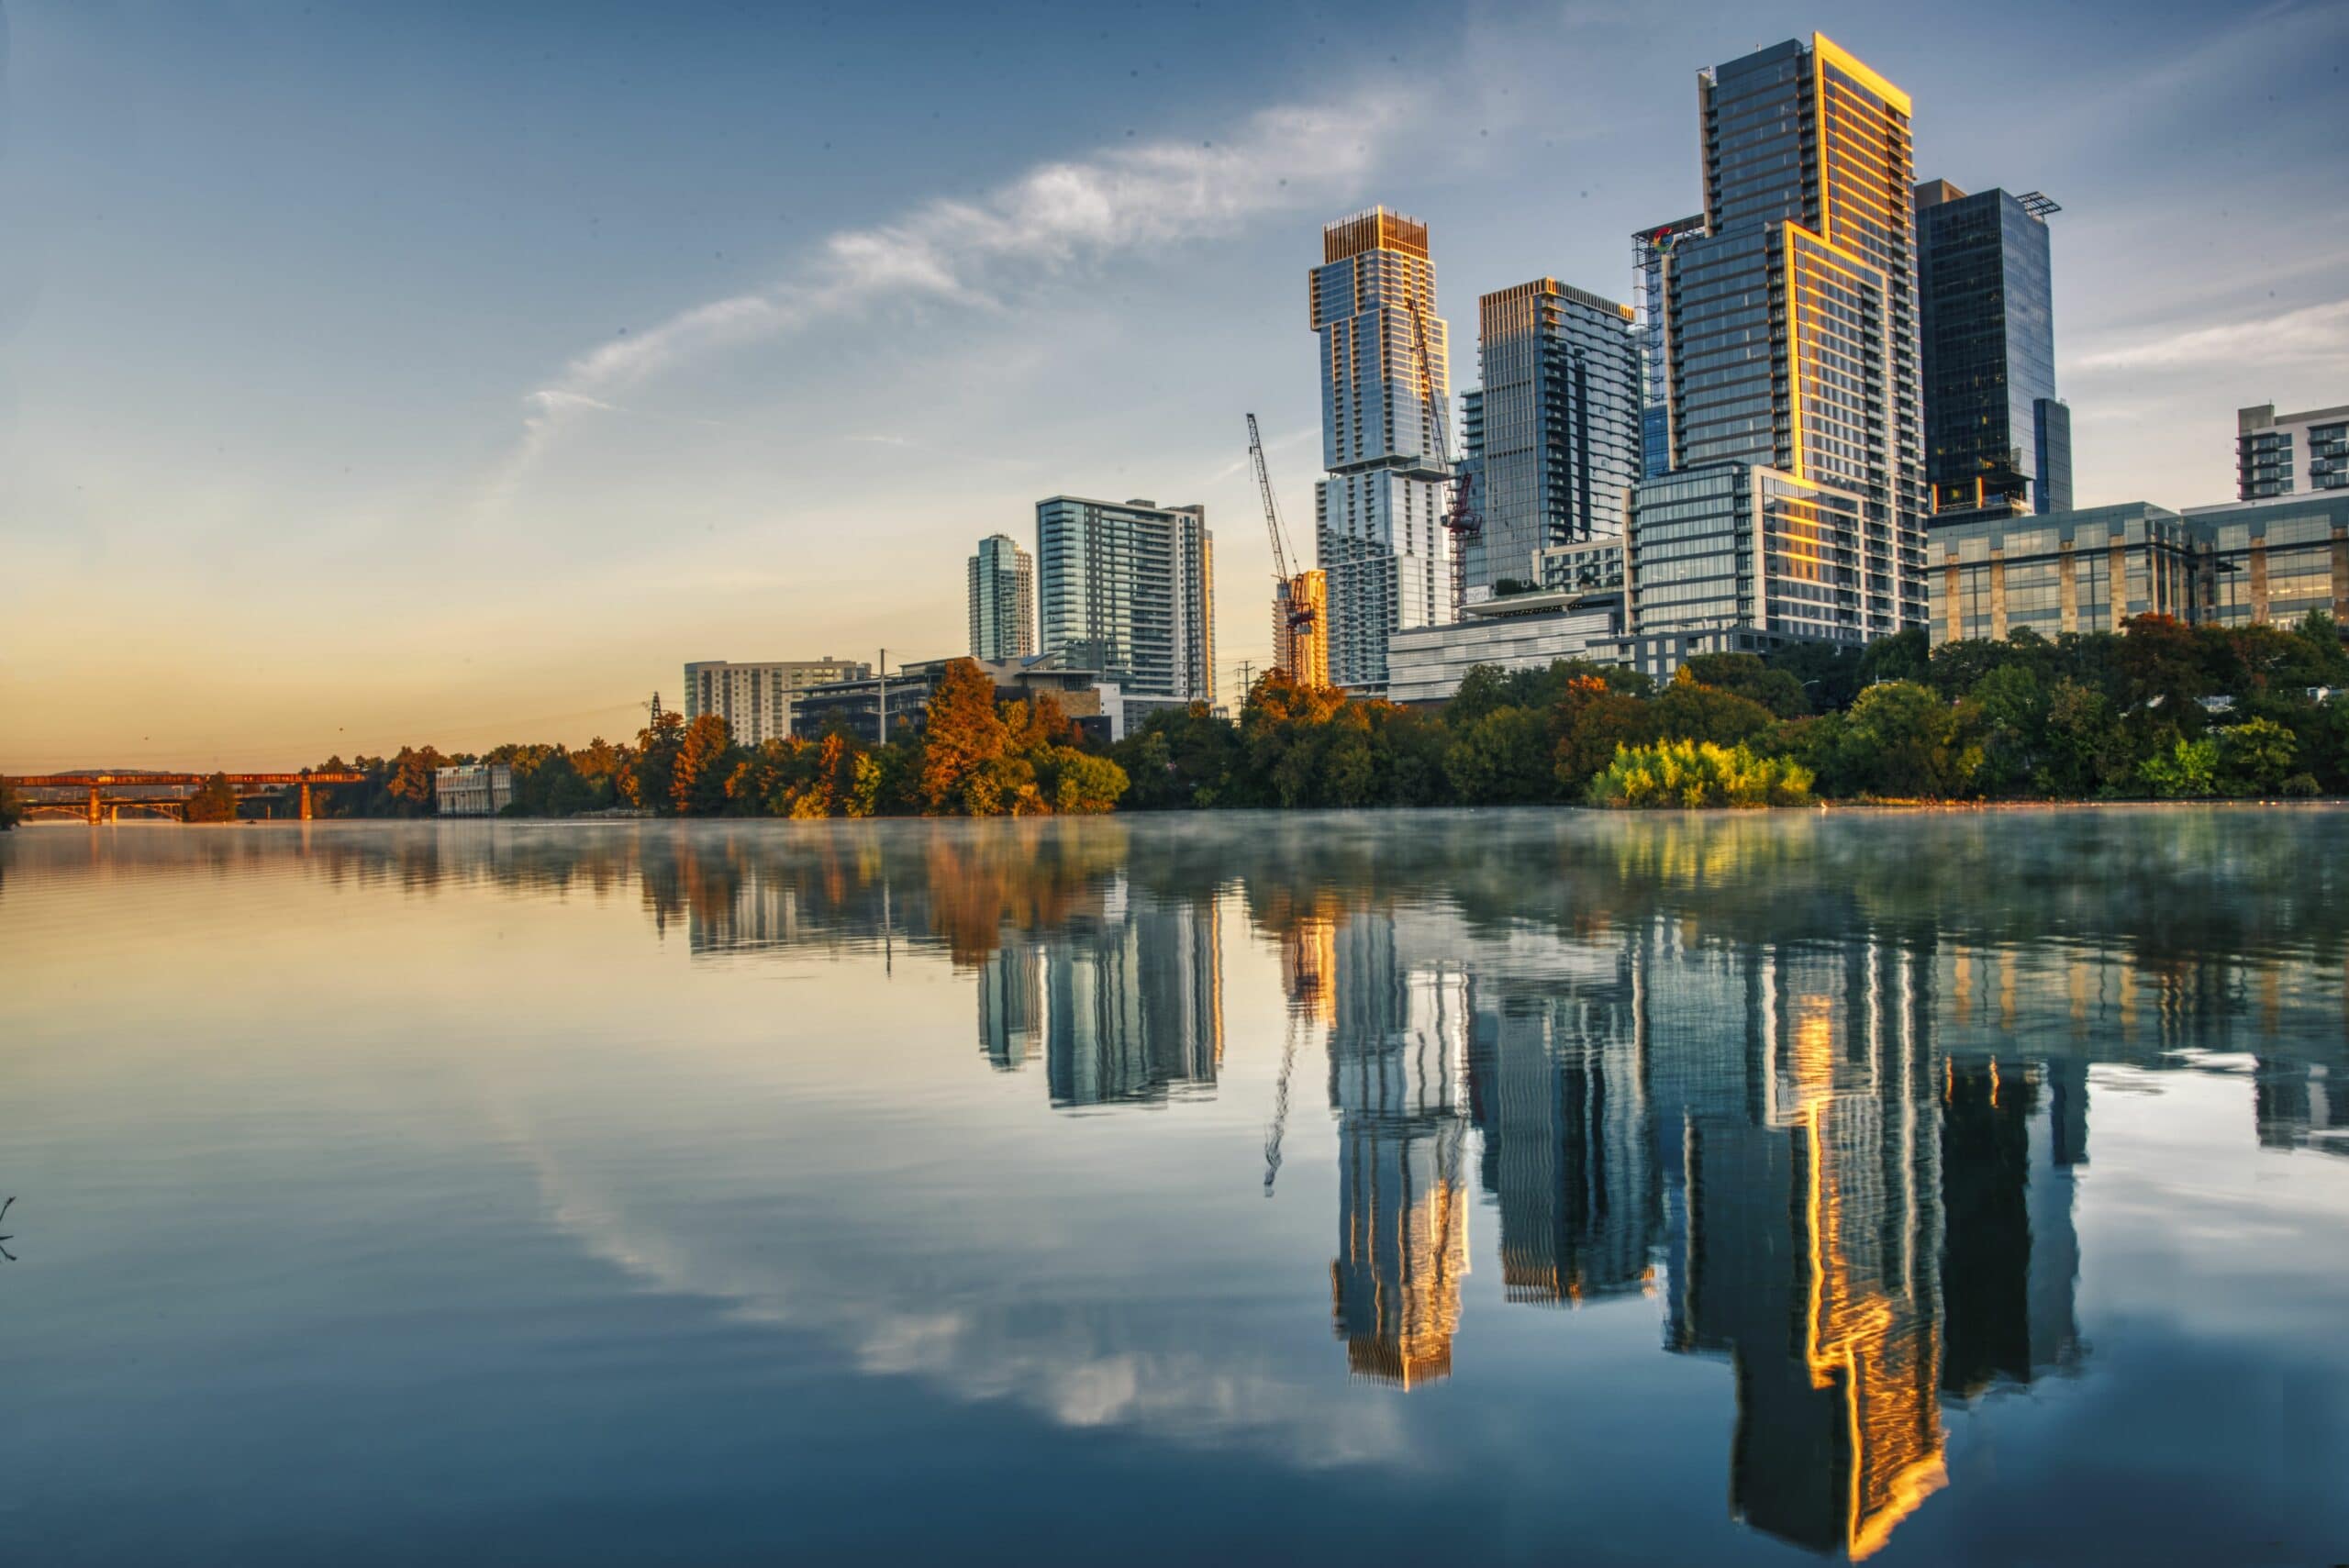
2159, 711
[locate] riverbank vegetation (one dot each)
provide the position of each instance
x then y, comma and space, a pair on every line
2164, 711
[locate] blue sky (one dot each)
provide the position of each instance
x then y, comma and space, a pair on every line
456, 373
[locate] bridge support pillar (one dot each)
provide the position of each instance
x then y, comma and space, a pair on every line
94, 806
305, 800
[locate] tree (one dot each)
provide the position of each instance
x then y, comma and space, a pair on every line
646, 773
1502, 759
1745, 676
12, 806
1692, 773
699, 772
962, 734
1077, 783
2187, 770
2014, 728
1901, 740
1904, 656
215, 800
2256, 757
1690, 710
1592, 720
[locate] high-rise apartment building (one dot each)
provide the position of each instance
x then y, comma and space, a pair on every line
1127, 589
1791, 322
1002, 600
1736, 545
2290, 454
1556, 424
1378, 518
1651, 249
756, 700
1997, 438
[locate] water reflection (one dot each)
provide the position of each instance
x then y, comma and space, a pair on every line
1805, 1084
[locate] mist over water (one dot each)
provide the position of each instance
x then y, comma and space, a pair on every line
1511, 1185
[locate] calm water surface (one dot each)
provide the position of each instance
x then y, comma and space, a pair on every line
1540, 1188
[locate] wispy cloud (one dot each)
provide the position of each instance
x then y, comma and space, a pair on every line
2313, 333
1053, 217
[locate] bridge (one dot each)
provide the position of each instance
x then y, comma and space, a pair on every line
102, 797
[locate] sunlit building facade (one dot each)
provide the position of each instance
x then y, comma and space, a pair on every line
1301, 627
1002, 600
1735, 546
1791, 323
1378, 515
758, 701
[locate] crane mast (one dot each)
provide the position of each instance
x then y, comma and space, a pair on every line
1296, 595
1460, 518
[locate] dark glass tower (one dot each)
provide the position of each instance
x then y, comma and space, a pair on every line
1997, 438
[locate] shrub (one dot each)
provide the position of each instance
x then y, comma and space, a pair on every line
1699, 773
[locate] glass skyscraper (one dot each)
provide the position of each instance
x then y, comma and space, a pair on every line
1651, 248
1791, 322
1557, 425
1378, 518
1002, 600
1128, 588
1996, 436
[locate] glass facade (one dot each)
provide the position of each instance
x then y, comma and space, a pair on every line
1378, 518
1737, 545
1557, 440
2290, 454
1995, 433
1790, 325
1127, 589
1651, 249
2091, 571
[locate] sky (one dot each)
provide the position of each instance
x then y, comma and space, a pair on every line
453, 374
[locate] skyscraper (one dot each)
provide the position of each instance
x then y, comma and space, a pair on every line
1127, 589
1649, 250
1378, 518
1557, 425
1791, 322
1002, 600
1996, 439
1300, 619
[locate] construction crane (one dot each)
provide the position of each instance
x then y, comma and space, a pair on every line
1294, 609
1460, 516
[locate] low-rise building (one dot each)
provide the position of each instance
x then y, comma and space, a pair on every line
1517, 632
475, 789
2280, 455
2089, 571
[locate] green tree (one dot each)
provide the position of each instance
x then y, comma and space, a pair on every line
2014, 729
2086, 752
2187, 770
1690, 710
12, 806
1900, 740
2256, 757
1590, 721
647, 772
1746, 676
1079, 783
1904, 656
1502, 759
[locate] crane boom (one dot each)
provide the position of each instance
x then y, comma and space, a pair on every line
1271, 506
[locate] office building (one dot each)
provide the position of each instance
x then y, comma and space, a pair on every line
1651, 249
1517, 632
1378, 518
756, 700
1002, 600
1738, 547
1300, 628
1555, 426
1128, 588
855, 706
2278, 455
1997, 438
1791, 322
478, 789
2264, 563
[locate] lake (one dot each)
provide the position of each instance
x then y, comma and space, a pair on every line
1517, 1186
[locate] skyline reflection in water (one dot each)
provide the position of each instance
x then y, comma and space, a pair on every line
1813, 1094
